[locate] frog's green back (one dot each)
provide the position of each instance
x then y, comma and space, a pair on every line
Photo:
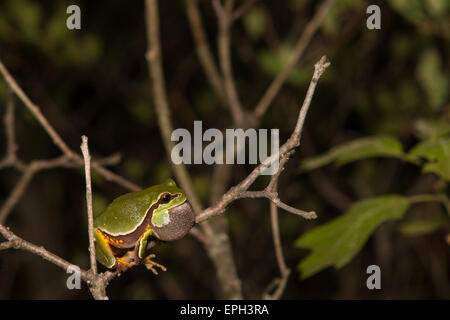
127, 212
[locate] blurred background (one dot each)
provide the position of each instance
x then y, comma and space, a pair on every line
95, 81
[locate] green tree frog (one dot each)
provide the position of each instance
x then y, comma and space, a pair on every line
122, 231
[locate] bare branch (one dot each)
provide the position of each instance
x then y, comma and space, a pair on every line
10, 158
236, 192
224, 16
279, 284
28, 172
273, 197
18, 243
203, 49
87, 171
221, 172
111, 176
305, 214
240, 11
299, 49
35, 111
284, 270
16, 194
161, 102
111, 160
217, 245
9, 126
55, 136
97, 282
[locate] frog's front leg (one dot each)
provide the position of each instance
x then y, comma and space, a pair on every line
140, 250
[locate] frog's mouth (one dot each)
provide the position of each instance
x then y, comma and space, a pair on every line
182, 219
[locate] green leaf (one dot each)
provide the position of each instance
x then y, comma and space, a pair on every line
432, 129
27, 16
432, 77
338, 241
437, 154
369, 147
255, 22
437, 8
338, 10
422, 226
411, 10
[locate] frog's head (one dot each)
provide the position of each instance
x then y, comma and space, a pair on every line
173, 216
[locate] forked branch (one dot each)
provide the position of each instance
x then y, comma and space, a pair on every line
240, 190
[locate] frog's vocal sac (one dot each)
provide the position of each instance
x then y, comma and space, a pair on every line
122, 231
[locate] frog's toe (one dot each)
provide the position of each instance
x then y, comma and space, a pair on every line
124, 263
150, 264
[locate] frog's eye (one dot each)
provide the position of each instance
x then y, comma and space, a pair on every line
165, 198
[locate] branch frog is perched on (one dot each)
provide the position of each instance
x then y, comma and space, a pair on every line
124, 228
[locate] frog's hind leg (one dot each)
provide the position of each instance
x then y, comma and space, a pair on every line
125, 262
107, 254
103, 251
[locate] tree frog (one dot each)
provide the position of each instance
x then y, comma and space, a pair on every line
122, 231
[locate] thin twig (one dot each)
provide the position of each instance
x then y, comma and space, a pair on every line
87, 171
16, 193
240, 11
18, 243
284, 270
97, 282
56, 137
35, 111
203, 49
9, 127
28, 172
10, 158
111, 176
273, 197
224, 16
278, 283
299, 49
111, 160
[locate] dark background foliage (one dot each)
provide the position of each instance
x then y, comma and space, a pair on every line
95, 82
